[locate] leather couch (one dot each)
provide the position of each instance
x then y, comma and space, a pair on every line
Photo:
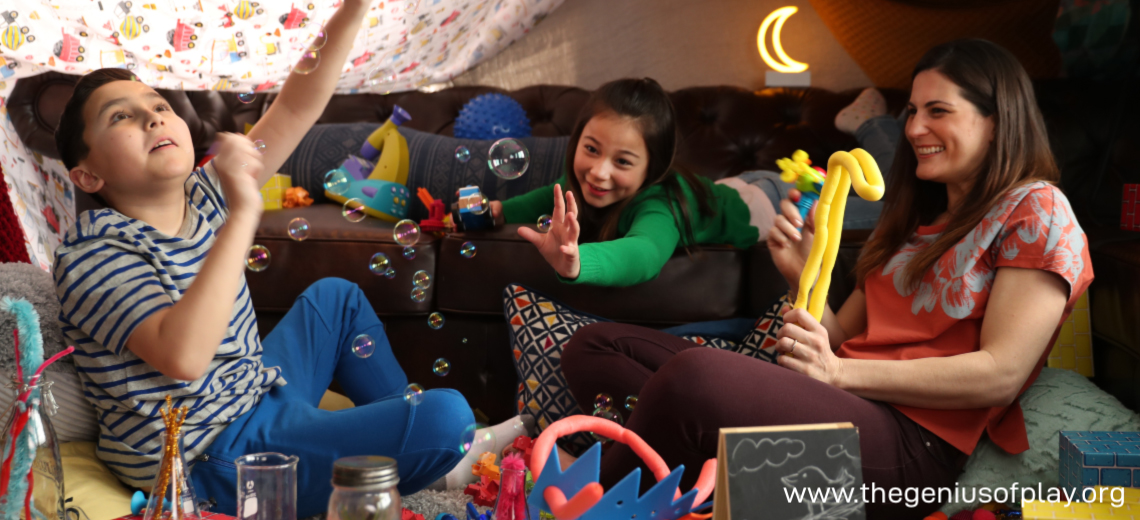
727, 131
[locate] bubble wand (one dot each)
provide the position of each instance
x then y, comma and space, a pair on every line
843, 169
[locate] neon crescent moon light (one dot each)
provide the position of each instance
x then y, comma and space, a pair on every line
785, 63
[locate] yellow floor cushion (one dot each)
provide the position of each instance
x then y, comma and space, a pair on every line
91, 486
95, 490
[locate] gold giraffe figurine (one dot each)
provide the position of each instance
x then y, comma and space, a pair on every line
843, 169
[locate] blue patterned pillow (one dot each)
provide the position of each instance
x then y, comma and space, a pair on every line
539, 329
433, 163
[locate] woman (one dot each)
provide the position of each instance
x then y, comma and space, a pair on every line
976, 261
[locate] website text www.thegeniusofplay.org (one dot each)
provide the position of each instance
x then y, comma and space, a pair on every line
913, 496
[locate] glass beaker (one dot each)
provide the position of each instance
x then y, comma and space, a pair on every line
267, 486
39, 437
172, 495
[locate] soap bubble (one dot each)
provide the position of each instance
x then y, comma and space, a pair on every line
381, 75
260, 145
246, 97
258, 258
544, 223
412, 6
610, 415
380, 264
336, 181
406, 232
464, 340
467, 250
630, 402
508, 158
319, 40
477, 438
308, 62
421, 279
390, 273
462, 154
363, 346
414, 394
484, 206
603, 401
441, 367
435, 320
419, 295
409, 253
353, 210
299, 229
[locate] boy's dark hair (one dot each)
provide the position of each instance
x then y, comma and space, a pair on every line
644, 101
69, 132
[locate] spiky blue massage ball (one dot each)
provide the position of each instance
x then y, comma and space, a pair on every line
490, 117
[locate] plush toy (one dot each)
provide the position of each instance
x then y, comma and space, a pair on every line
383, 192
20, 440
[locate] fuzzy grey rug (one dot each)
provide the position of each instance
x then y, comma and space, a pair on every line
431, 503
20, 280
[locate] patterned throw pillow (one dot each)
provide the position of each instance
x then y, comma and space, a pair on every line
540, 327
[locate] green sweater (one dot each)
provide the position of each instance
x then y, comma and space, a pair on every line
648, 234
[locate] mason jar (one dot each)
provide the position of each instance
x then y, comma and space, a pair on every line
364, 488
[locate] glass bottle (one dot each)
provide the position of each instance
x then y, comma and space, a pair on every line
364, 488
172, 495
38, 433
511, 502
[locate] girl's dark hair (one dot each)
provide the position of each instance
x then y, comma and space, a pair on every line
69, 132
992, 80
647, 104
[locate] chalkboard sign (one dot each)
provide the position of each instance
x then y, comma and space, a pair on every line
802, 472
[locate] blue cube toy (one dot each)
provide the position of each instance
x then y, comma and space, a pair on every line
1099, 459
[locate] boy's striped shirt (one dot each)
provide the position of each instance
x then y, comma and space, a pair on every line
113, 272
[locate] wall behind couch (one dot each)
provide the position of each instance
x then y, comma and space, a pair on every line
681, 43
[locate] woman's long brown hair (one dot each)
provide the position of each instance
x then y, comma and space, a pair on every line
647, 104
993, 81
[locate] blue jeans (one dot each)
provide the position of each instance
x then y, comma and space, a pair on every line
313, 346
879, 137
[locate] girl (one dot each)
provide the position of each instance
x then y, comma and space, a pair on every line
638, 206
976, 261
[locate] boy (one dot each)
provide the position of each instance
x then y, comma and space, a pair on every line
154, 297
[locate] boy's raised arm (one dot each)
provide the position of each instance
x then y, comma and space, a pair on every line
304, 96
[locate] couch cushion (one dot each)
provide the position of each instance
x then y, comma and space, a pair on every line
337, 247
702, 287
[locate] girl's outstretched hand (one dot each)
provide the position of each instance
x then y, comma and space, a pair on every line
559, 246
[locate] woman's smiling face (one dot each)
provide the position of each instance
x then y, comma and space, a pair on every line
950, 137
611, 160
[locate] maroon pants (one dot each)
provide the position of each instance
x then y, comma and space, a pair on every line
687, 393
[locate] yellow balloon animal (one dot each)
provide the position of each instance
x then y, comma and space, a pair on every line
843, 169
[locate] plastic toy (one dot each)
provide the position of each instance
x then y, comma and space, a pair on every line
843, 169
296, 197
384, 191
1090, 459
484, 492
576, 493
492, 116
438, 221
522, 445
471, 210
807, 178
25, 432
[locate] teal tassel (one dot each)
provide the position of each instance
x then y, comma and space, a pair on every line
31, 357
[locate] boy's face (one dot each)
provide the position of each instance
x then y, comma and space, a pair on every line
137, 143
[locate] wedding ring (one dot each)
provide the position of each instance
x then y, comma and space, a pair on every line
243, 165
795, 343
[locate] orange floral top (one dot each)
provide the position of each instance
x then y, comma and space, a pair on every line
1033, 227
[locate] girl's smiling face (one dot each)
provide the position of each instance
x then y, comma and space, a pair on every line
611, 160
950, 137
